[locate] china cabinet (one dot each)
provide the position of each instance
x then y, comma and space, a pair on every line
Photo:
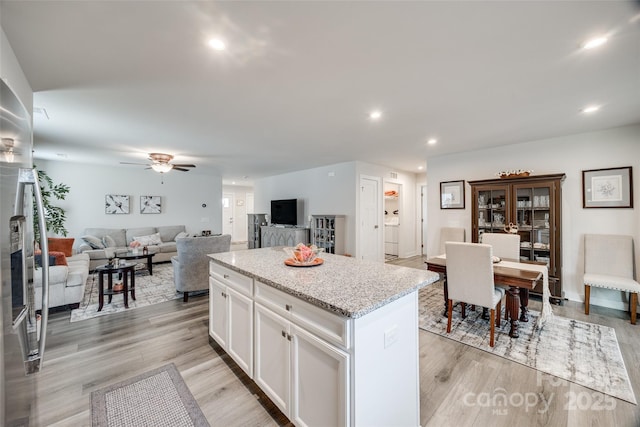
327, 231
272, 235
533, 205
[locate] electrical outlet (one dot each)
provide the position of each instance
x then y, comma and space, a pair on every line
391, 336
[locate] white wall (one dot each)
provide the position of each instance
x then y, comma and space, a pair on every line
324, 190
571, 155
183, 194
333, 189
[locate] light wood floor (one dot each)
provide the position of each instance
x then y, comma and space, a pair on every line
460, 385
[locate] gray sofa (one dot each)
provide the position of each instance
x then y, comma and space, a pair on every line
191, 264
119, 239
66, 282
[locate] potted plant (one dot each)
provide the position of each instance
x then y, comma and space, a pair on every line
54, 216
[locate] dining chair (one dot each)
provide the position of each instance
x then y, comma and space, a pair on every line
470, 281
505, 245
450, 234
609, 263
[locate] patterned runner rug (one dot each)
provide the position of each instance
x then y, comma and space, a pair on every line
584, 353
158, 398
149, 290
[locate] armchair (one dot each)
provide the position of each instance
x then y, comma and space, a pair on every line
191, 265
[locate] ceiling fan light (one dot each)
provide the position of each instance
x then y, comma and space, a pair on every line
161, 167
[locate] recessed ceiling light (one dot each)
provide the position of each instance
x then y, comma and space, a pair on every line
432, 141
590, 109
375, 115
595, 42
420, 168
217, 44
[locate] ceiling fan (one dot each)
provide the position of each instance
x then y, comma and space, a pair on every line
160, 163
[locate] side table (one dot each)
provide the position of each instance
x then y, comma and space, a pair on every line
127, 270
131, 256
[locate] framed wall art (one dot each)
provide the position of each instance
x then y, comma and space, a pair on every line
452, 195
150, 204
116, 204
607, 188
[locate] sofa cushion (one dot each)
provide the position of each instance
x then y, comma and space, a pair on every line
93, 241
59, 244
168, 233
152, 239
167, 247
118, 234
109, 242
140, 231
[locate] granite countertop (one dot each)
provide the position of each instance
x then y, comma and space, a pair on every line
344, 285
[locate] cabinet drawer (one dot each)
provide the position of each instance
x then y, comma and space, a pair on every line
329, 326
237, 281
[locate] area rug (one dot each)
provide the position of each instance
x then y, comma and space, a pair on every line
584, 353
150, 289
158, 398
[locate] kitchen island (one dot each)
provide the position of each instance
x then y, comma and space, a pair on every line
334, 344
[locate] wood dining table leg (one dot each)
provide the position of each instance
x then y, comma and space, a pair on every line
513, 305
524, 305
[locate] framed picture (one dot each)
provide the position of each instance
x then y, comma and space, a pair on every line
452, 195
607, 188
116, 204
150, 204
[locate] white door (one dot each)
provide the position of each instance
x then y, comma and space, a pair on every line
227, 214
240, 323
371, 234
273, 357
218, 313
320, 393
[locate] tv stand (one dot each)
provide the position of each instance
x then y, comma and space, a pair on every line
280, 235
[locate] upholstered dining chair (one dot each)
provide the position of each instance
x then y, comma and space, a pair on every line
505, 245
609, 263
470, 281
191, 265
450, 234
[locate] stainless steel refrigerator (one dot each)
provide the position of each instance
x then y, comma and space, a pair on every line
23, 330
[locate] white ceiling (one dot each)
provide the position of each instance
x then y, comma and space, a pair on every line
120, 79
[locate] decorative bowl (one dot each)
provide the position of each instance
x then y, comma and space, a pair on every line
302, 254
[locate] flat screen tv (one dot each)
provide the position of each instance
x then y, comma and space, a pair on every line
284, 212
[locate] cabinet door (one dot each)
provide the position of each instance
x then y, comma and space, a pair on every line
240, 332
490, 210
273, 357
320, 393
218, 312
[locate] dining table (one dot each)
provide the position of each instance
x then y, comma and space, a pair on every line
520, 276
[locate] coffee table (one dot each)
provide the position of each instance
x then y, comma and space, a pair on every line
132, 256
127, 270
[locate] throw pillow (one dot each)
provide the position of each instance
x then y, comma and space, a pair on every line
93, 241
181, 234
60, 258
108, 242
152, 239
37, 255
59, 244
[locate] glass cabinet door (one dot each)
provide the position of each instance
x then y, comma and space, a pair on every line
492, 210
533, 210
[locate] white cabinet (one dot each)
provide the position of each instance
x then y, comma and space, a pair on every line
306, 377
320, 381
391, 239
231, 314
